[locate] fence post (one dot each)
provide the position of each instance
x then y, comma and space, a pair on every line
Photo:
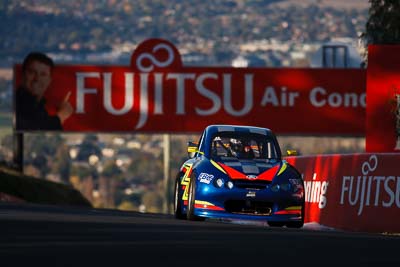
167, 140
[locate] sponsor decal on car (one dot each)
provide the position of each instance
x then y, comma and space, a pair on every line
251, 194
205, 178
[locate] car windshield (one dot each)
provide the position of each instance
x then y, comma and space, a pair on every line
229, 145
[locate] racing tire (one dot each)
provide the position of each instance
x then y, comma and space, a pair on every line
177, 201
191, 202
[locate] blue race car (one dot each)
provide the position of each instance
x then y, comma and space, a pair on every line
237, 173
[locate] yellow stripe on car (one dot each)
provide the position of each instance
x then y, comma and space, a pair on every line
283, 168
186, 181
217, 166
293, 208
200, 202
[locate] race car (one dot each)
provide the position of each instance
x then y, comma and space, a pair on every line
237, 173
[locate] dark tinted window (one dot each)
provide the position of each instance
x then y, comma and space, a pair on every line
242, 146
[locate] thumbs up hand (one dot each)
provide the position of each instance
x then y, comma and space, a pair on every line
65, 109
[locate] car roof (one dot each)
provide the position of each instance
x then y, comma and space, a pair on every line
237, 128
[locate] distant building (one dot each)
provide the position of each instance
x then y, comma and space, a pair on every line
194, 59
336, 54
240, 62
250, 60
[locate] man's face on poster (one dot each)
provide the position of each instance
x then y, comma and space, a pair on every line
37, 78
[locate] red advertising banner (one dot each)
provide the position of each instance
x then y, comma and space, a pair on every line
156, 93
383, 89
358, 192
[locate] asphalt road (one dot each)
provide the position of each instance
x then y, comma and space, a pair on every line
33, 235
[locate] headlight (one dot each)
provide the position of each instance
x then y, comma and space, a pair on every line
275, 188
219, 182
291, 185
229, 184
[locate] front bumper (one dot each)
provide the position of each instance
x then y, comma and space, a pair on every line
249, 204
236, 216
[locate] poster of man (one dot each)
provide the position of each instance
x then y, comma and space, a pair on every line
30, 103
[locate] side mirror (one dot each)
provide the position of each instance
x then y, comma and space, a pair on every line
191, 149
291, 152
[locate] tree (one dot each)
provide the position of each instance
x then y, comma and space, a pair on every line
89, 147
62, 163
383, 25
127, 205
111, 170
146, 169
40, 149
81, 171
42, 144
153, 201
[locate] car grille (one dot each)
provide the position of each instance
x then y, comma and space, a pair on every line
249, 207
248, 184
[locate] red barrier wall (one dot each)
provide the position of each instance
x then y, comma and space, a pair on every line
383, 90
358, 192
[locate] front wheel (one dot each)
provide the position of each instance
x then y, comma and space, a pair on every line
178, 200
191, 202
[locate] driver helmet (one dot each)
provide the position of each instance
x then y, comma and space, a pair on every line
236, 145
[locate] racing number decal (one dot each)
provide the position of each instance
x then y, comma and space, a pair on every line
185, 181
